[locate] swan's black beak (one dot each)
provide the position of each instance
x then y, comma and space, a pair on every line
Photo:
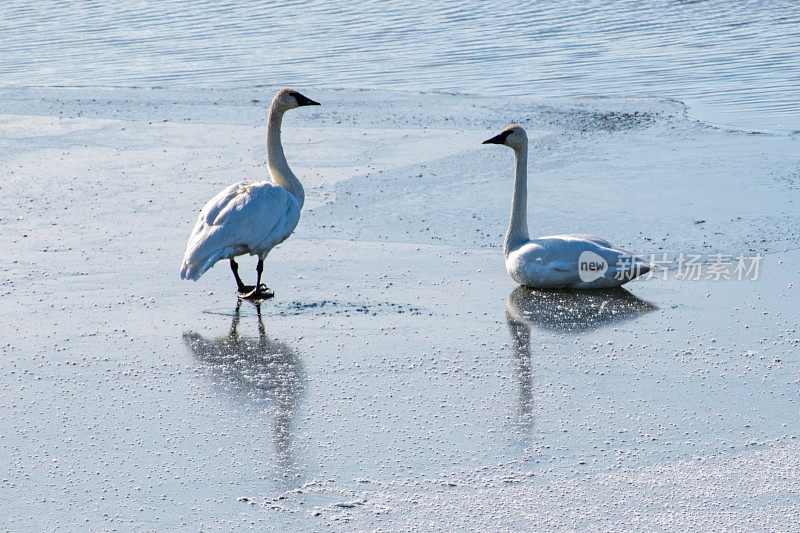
498, 139
303, 101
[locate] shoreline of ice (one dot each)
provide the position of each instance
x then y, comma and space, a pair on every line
392, 356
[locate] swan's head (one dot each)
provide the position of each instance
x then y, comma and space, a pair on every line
513, 136
287, 99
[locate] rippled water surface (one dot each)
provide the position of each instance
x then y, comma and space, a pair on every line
733, 62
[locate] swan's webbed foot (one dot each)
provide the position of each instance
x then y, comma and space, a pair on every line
251, 292
256, 292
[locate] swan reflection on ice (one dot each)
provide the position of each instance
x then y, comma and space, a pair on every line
521, 338
573, 311
563, 311
256, 368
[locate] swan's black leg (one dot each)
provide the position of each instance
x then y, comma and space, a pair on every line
239, 285
259, 270
262, 291
259, 292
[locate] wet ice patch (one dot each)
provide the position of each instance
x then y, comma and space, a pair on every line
181, 407
325, 308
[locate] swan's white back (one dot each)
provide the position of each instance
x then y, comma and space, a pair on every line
241, 219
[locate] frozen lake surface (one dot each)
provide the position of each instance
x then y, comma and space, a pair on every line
733, 62
399, 375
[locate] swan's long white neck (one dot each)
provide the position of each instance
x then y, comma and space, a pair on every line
278, 167
517, 233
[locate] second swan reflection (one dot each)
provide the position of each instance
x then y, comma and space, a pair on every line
574, 311
560, 311
257, 369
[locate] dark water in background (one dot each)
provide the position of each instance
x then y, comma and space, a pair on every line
733, 62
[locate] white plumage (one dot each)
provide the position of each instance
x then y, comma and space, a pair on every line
241, 219
250, 218
557, 261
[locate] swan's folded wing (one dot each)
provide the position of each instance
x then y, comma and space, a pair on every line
241, 218
221, 201
566, 250
597, 241
555, 259
622, 264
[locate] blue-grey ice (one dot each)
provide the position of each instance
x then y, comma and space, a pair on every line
399, 376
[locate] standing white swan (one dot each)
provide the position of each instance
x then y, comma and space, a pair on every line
557, 261
250, 218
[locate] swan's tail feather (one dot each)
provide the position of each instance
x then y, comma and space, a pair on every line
189, 271
629, 270
640, 268
194, 270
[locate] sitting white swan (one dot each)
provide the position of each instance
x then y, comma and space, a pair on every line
250, 218
558, 261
